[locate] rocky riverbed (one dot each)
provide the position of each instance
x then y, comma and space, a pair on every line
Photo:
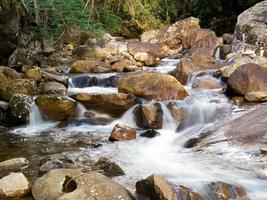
178, 115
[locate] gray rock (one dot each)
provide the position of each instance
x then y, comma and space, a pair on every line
53, 87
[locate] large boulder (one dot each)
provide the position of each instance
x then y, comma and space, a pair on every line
20, 108
248, 78
109, 167
12, 165
14, 185
171, 38
21, 86
116, 103
70, 184
89, 66
57, 108
251, 31
152, 86
122, 133
149, 116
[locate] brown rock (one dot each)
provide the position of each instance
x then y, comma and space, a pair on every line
149, 116
10, 73
124, 65
57, 108
34, 73
185, 193
110, 168
256, 96
53, 87
207, 83
86, 66
248, 78
177, 111
122, 133
113, 103
146, 58
228, 38
152, 86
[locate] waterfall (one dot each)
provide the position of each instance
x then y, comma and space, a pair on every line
36, 117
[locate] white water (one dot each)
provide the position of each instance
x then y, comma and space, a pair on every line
93, 90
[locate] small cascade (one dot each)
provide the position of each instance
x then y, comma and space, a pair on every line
36, 117
126, 119
192, 78
81, 110
169, 123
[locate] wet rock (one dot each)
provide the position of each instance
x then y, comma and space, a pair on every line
239, 101
150, 133
248, 78
228, 38
15, 185
53, 87
57, 108
185, 193
21, 86
124, 65
177, 112
69, 184
157, 188
20, 108
116, 103
225, 191
152, 86
155, 50
122, 133
224, 51
205, 82
171, 38
110, 168
149, 116
34, 73
12, 165
87, 66
251, 31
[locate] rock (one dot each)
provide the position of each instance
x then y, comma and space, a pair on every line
20, 108
15, 185
10, 73
248, 78
110, 168
122, 133
157, 188
152, 86
124, 65
34, 73
21, 86
256, 96
77, 185
155, 50
12, 165
228, 38
205, 82
146, 58
4, 105
149, 116
224, 51
251, 31
239, 101
86, 66
225, 191
57, 108
54, 77
112, 103
177, 111
150, 133
171, 38
53, 87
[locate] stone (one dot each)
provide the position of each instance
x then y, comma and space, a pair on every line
70, 184
20, 108
10, 73
248, 78
171, 38
15, 185
53, 87
225, 191
152, 86
12, 165
228, 38
150, 133
122, 133
224, 51
157, 188
146, 58
87, 66
110, 168
251, 31
54, 77
4, 105
112, 103
57, 108
185, 193
204, 82
21, 86
256, 96
124, 65
34, 73
176, 111
149, 116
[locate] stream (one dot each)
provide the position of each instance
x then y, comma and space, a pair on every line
163, 155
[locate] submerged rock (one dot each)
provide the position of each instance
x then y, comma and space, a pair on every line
110, 168
152, 86
57, 108
149, 115
122, 133
15, 185
150, 133
70, 184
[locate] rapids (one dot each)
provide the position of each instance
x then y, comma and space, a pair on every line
165, 154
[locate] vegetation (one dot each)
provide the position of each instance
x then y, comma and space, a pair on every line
130, 17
